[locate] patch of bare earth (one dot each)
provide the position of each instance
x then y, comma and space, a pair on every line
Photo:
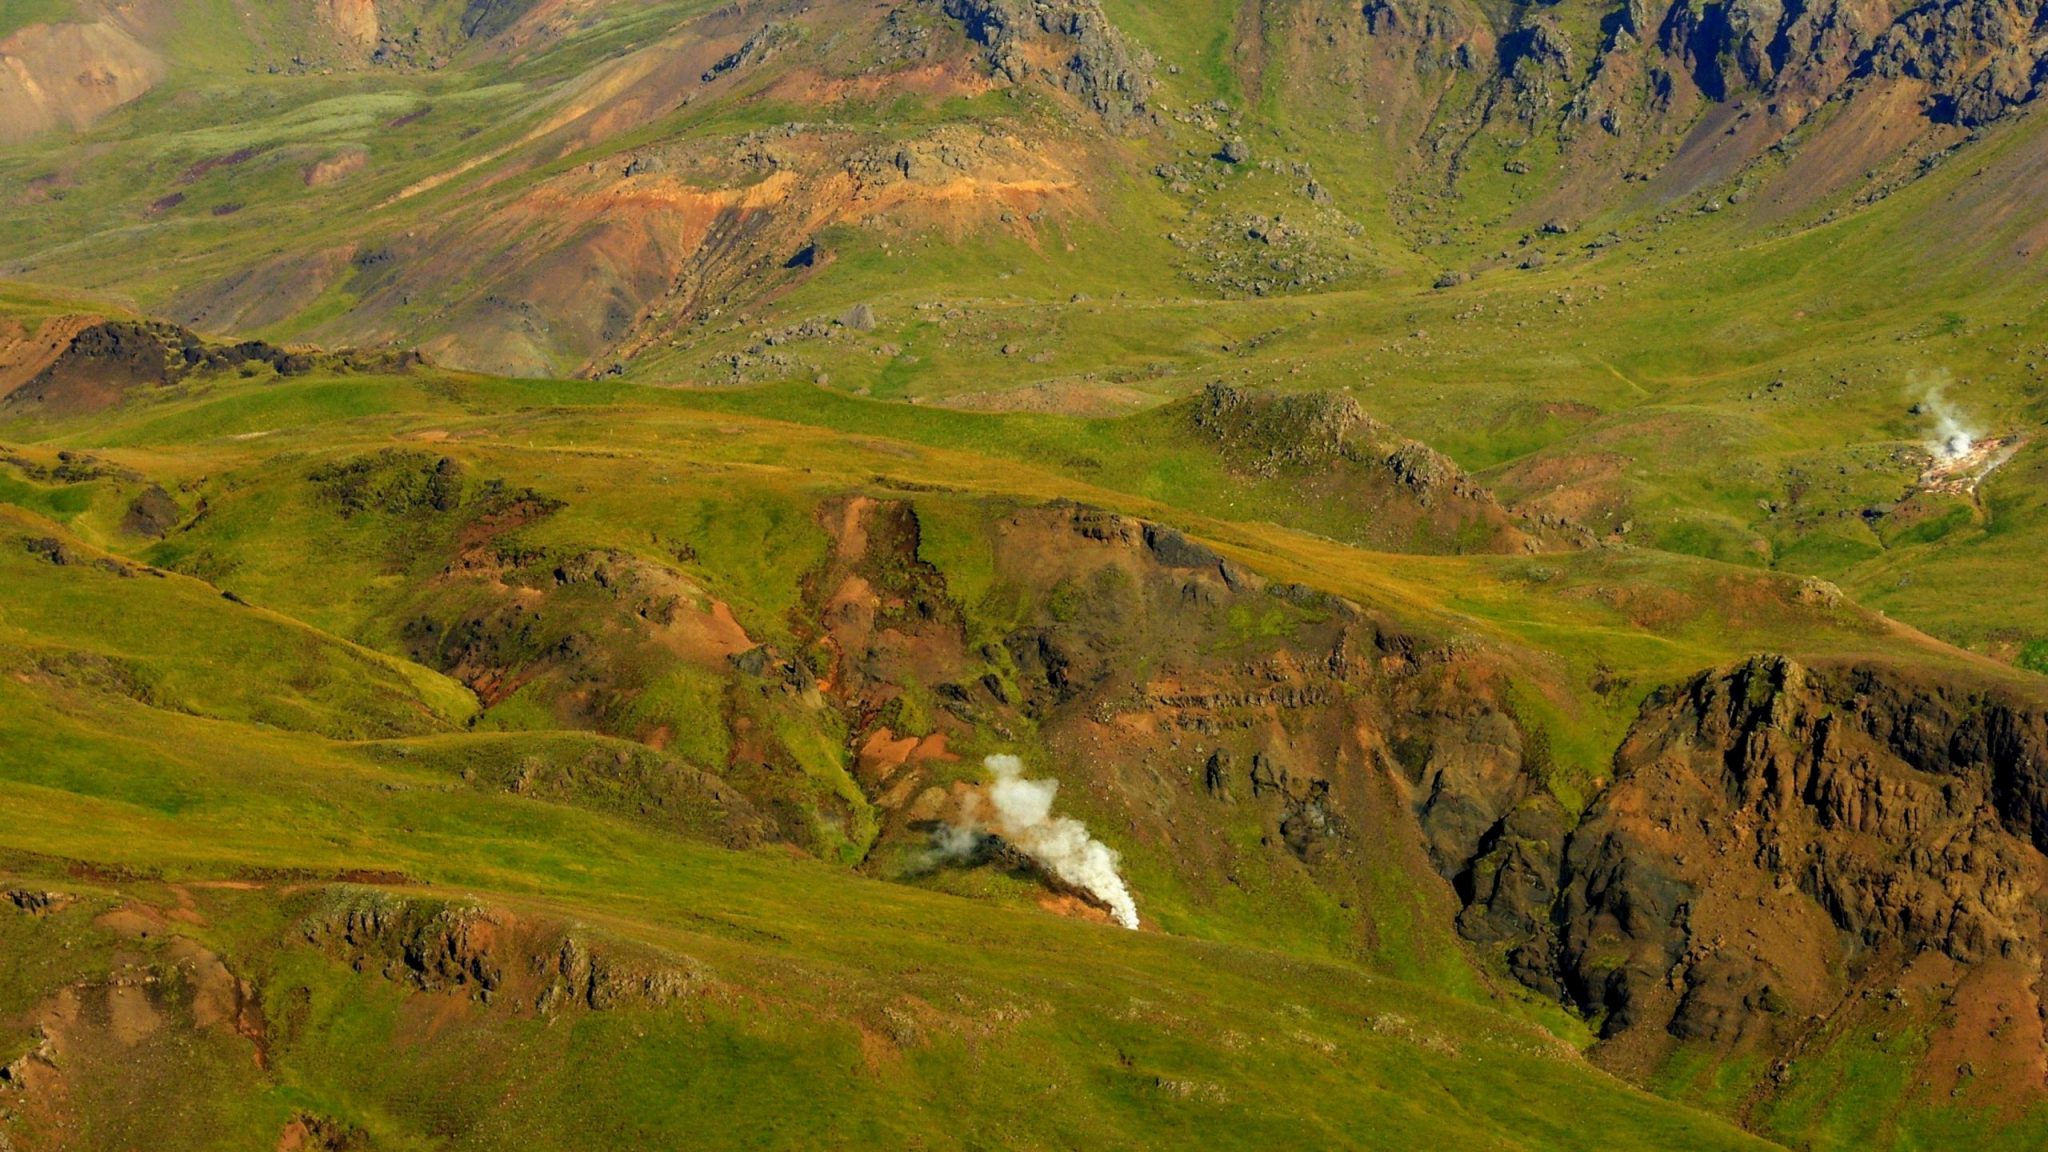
1064, 397
65, 77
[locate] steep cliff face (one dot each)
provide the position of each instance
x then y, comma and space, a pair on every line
1769, 48
1778, 839
1570, 111
1979, 59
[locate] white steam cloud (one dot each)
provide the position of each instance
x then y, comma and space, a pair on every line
1953, 437
1020, 811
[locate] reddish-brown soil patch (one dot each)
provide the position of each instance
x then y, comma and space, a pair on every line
25, 353
336, 168
230, 160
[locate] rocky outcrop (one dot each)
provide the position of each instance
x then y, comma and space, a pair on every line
1071, 43
1402, 493
1324, 731
1774, 834
153, 513
392, 482
1980, 58
757, 49
1441, 36
492, 955
101, 364
34, 901
1983, 58
1538, 68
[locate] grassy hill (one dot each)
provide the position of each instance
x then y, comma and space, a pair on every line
272, 757
191, 807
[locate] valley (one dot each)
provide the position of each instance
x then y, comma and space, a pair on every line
972, 573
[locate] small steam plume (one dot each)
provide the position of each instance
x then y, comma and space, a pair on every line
1953, 439
1020, 812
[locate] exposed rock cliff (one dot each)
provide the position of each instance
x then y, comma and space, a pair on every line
1777, 836
1070, 42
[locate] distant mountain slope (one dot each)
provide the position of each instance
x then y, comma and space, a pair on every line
554, 188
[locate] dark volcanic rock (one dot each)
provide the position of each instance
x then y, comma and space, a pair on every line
1771, 830
153, 513
52, 550
1983, 58
1101, 68
106, 362
1177, 551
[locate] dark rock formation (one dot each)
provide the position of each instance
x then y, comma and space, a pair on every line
153, 513
489, 954
756, 49
1982, 57
107, 361
1100, 67
1772, 831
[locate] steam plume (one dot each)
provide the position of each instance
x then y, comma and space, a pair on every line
1020, 811
1953, 439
